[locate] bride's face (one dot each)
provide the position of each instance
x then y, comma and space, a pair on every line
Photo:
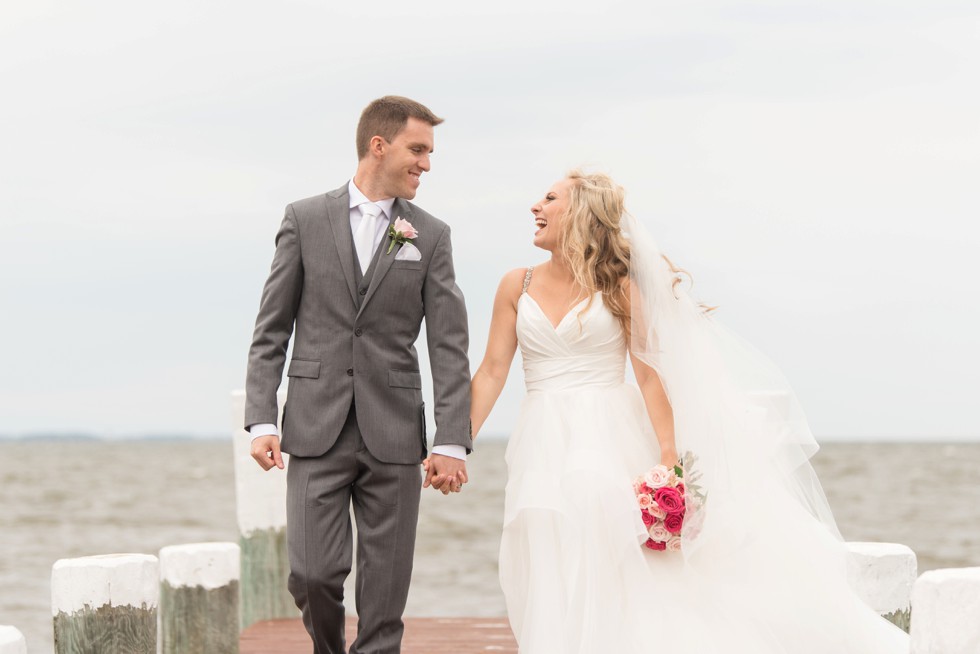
549, 212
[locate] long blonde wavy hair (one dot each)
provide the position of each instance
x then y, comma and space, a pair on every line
593, 244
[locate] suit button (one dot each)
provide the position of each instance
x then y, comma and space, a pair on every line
350, 372
358, 331
363, 291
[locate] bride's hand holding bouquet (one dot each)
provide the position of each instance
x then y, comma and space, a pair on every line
669, 458
667, 496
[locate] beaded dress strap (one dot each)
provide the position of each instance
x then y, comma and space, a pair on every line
527, 279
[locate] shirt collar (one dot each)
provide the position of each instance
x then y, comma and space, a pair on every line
357, 199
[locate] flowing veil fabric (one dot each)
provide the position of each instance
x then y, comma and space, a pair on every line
732, 406
764, 549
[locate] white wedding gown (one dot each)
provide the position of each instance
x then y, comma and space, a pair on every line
575, 577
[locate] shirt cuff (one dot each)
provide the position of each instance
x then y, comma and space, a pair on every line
455, 451
263, 429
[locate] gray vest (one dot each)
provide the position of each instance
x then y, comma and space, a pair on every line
363, 280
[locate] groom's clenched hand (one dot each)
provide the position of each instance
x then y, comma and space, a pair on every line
445, 473
265, 450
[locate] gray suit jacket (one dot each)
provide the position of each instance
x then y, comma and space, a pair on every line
356, 344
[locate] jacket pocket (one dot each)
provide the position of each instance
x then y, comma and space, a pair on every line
304, 368
405, 379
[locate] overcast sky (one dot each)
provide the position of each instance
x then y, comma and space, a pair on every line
814, 164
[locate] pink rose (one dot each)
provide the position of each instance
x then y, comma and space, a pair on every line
657, 476
405, 228
654, 545
645, 501
648, 519
657, 512
673, 522
680, 488
674, 544
669, 499
646, 489
657, 532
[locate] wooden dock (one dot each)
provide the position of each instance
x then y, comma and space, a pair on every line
422, 636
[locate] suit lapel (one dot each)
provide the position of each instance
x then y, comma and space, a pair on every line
338, 215
399, 209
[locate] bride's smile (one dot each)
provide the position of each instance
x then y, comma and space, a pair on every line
548, 212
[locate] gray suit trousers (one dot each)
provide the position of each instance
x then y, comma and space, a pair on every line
385, 497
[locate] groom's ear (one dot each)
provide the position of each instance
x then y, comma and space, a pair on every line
377, 146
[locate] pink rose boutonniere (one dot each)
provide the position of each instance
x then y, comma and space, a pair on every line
401, 232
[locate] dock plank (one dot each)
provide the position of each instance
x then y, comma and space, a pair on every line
422, 636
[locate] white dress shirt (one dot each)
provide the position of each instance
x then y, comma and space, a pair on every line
356, 200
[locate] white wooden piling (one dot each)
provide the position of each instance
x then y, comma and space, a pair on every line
261, 500
882, 574
199, 598
12, 641
946, 619
105, 604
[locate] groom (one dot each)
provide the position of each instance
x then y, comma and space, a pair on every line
355, 270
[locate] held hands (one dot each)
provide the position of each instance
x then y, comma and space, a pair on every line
444, 473
265, 450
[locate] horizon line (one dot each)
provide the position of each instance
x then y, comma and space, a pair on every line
69, 435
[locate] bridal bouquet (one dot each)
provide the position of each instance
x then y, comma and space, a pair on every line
668, 499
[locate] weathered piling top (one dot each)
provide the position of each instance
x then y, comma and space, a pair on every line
422, 636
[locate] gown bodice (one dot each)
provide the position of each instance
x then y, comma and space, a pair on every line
587, 348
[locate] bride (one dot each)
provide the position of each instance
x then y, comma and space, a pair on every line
763, 569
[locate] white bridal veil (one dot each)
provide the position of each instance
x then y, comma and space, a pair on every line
733, 409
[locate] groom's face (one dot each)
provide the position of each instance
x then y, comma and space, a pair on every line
405, 158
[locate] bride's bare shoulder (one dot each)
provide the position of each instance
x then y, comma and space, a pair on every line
512, 284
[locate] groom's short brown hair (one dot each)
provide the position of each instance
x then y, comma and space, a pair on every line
387, 116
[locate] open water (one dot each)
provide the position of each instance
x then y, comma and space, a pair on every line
75, 498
